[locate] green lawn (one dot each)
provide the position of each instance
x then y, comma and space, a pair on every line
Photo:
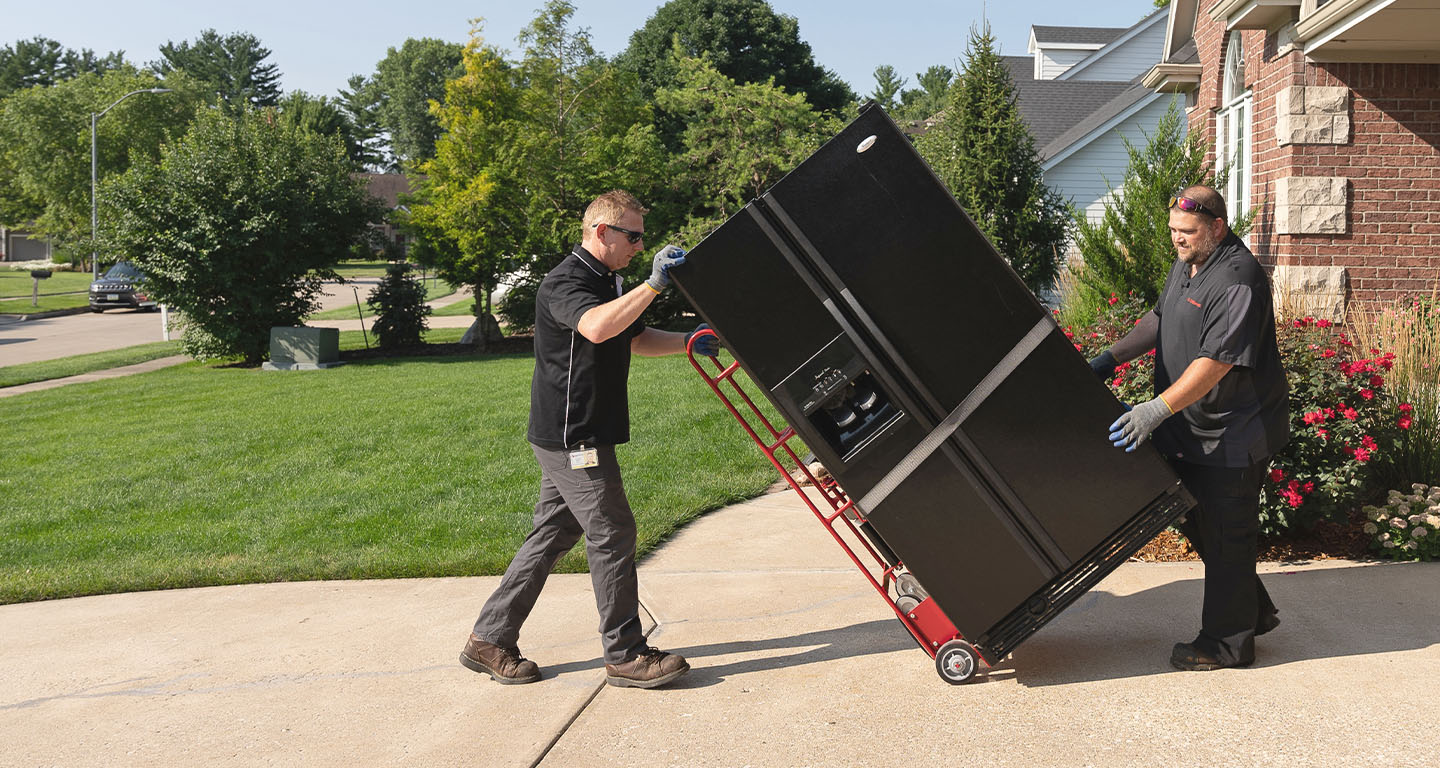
47, 304
353, 269
16, 282
404, 467
44, 370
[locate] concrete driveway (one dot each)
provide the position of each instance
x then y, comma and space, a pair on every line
796, 662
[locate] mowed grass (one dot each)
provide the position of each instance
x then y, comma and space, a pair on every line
18, 282
28, 305
403, 467
43, 370
434, 289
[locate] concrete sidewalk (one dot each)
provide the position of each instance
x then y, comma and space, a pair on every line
796, 662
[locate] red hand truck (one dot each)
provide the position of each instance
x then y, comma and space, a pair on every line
956, 660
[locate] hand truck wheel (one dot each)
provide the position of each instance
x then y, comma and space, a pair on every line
957, 662
906, 603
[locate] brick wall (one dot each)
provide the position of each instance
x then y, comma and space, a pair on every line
1366, 142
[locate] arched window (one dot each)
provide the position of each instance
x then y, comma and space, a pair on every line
1232, 129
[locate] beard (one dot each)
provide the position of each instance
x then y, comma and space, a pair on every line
1200, 248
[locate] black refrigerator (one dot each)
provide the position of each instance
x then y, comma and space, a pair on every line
931, 383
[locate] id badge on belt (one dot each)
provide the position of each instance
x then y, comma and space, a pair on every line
584, 458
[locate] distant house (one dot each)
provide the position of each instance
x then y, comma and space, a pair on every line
1327, 113
1079, 92
387, 188
22, 245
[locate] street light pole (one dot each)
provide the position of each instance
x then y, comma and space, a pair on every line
94, 211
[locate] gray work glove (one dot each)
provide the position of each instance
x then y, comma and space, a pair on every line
1135, 425
669, 256
707, 345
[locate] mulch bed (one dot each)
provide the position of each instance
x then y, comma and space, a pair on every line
1326, 541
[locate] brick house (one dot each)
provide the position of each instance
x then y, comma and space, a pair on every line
388, 189
1327, 113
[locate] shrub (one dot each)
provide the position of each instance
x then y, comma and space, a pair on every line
1405, 527
1411, 330
400, 308
1339, 426
1134, 381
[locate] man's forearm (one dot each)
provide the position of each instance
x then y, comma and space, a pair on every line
654, 343
606, 321
1139, 340
1199, 377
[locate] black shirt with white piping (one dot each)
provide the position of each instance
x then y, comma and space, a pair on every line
579, 394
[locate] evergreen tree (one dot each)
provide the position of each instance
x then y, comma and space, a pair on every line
359, 105
234, 65
929, 99
42, 61
985, 154
887, 86
1129, 249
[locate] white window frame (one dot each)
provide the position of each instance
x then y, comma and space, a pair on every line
1234, 125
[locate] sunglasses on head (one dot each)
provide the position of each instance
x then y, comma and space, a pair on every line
631, 235
1190, 206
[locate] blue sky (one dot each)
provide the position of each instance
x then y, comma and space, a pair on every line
318, 45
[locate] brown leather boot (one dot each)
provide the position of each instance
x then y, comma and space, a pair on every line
505, 665
650, 668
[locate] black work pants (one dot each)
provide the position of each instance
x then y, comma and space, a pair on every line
1224, 529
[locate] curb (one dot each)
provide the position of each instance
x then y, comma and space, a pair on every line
43, 315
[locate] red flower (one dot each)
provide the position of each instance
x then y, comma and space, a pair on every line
1368, 394
1405, 422
1113, 300
1276, 475
1322, 433
1314, 417
1368, 442
1328, 353
1362, 455
1406, 407
1349, 413
1377, 381
1323, 323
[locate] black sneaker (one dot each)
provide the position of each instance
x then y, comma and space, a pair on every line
1189, 657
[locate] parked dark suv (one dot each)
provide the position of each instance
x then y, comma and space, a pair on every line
117, 289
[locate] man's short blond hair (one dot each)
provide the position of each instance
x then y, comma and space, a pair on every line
610, 207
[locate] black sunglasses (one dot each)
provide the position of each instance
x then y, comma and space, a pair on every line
631, 235
1190, 206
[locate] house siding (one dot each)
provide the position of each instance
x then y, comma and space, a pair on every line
1082, 176
1054, 62
1135, 55
1388, 160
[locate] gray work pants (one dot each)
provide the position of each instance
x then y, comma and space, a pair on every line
574, 501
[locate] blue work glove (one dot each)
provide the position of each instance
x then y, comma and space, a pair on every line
1135, 425
1103, 365
707, 345
669, 256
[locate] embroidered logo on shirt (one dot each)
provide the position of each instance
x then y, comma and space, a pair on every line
1192, 301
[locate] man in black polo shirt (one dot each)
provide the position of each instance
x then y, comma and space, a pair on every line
1220, 412
586, 326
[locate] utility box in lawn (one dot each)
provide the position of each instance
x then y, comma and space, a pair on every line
303, 349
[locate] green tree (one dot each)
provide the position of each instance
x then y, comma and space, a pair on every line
42, 61
400, 308
746, 40
234, 66
985, 154
518, 165
739, 140
1129, 249
929, 99
237, 225
359, 105
887, 86
45, 144
405, 82
324, 116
